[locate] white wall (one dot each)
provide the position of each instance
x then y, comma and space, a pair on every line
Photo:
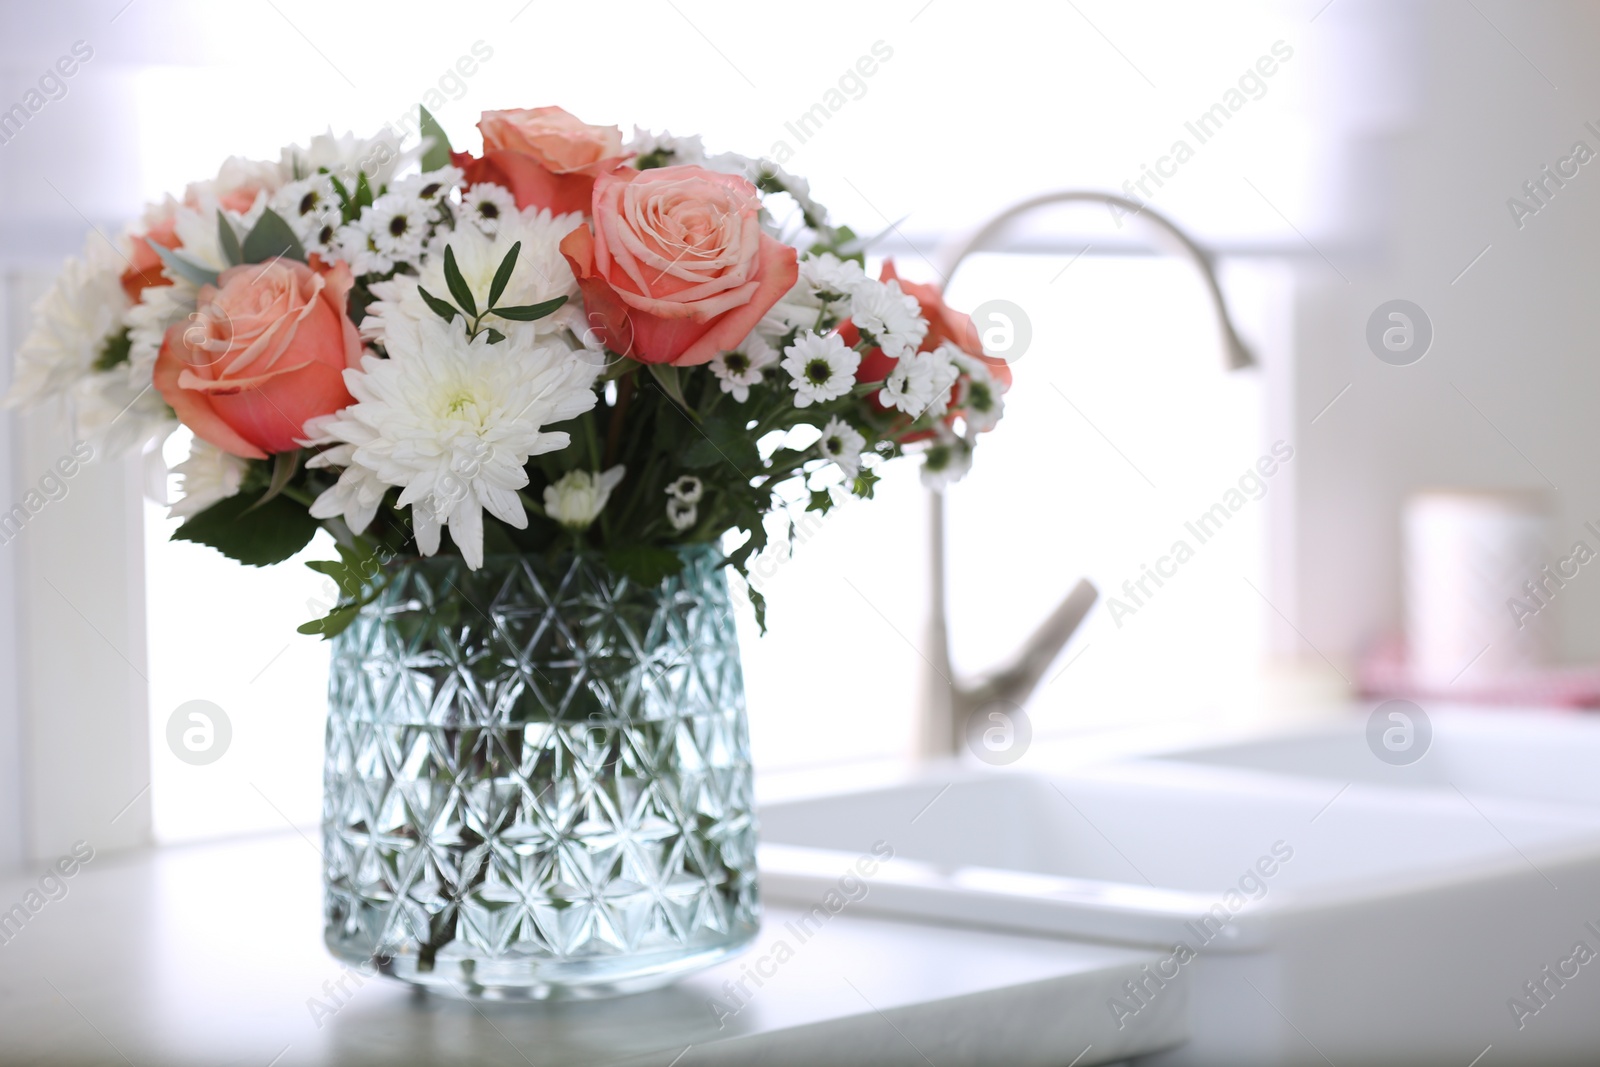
1506, 397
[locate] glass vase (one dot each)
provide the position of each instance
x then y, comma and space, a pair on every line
537, 779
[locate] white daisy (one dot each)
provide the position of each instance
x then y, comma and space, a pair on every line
830, 277
486, 204
452, 421
686, 488
741, 368
434, 186
947, 459
798, 309
311, 208
981, 397
577, 498
207, 476
398, 225
887, 316
354, 243
842, 443
541, 273
681, 514
380, 157
823, 368
664, 150
920, 382
72, 322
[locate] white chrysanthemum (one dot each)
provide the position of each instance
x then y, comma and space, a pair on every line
686, 488
452, 421
486, 205
379, 156
118, 415
434, 186
237, 173
739, 369
890, 318
947, 459
311, 208
842, 443
831, 278
982, 396
71, 323
920, 382
159, 307
207, 476
664, 149
681, 514
541, 273
822, 367
577, 498
358, 493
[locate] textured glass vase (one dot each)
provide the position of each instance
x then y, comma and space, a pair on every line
538, 779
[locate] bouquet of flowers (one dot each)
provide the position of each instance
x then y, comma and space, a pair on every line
604, 346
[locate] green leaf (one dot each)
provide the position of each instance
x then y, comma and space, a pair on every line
333, 623
363, 197
502, 277
270, 534
184, 268
445, 311
865, 483
458, 285
114, 350
644, 564
530, 312
228, 238
438, 154
495, 336
722, 439
284, 466
666, 376
270, 239
821, 501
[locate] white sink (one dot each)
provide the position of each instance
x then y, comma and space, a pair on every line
1534, 755
1394, 926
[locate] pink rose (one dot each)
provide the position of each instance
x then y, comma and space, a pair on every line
266, 351
676, 268
546, 157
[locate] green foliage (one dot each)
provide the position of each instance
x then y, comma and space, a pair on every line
644, 564
271, 238
228, 239
183, 267
114, 353
438, 154
273, 530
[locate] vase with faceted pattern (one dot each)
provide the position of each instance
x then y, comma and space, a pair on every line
538, 779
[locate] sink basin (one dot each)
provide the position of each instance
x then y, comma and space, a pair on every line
1542, 756
1351, 920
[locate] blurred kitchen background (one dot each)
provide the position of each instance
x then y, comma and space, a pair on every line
1368, 152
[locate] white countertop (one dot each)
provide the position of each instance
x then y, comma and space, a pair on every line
212, 954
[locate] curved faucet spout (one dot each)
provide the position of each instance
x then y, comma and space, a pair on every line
947, 704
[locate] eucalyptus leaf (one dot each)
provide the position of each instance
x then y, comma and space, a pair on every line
184, 268
438, 154
270, 239
228, 239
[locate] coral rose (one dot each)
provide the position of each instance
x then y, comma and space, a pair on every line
546, 157
266, 350
677, 268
